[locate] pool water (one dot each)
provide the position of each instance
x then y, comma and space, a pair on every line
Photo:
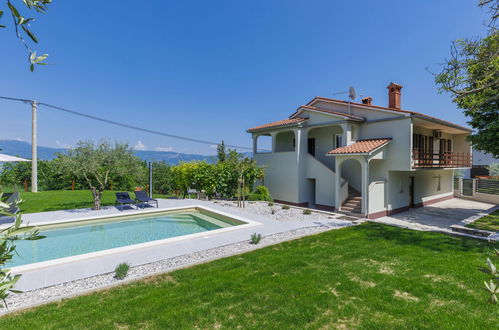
91, 236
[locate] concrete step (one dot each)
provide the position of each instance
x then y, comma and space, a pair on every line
351, 204
351, 209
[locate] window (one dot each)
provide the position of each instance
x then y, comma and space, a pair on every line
338, 140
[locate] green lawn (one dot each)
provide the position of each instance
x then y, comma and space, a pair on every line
371, 276
488, 222
53, 200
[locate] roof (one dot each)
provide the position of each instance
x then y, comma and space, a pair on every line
280, 123
416, 114
361, 147
345, 115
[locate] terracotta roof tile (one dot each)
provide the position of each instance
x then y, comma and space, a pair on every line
361, 147
284, 122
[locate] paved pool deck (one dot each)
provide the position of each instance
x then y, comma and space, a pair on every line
440, 216
55, 274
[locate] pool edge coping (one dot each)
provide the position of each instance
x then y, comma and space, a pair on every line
97, 254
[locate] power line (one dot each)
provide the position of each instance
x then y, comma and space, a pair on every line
116, 123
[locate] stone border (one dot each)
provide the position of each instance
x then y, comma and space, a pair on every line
37, 297
474, 218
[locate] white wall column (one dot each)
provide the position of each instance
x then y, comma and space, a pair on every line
365, 186
255, 145
347, 133
337, 183
273, 135
301, 136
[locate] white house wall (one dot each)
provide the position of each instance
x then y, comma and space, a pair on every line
281, 175
399, 149
425, 187
351, 170
324, 182
324, 142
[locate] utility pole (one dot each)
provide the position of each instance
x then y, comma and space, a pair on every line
34, 143
150, 179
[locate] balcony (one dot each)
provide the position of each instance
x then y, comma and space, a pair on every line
441, 160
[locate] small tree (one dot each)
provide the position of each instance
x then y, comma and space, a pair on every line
16, 173
221, 152
97, 164
8, 249
471, 76
494, 169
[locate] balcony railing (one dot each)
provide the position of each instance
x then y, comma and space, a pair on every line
440, 160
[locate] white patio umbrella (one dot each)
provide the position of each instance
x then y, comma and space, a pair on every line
6, 158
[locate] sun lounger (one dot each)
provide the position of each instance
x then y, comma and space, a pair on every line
142, 197
13, 209
123, 198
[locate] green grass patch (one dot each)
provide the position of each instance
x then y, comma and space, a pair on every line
54, 200
370, 276
488, 222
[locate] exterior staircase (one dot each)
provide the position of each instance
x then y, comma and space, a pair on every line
353, 203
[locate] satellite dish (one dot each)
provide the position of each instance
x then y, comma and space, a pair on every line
351, 93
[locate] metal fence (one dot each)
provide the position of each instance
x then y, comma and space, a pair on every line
487, 187
467, 187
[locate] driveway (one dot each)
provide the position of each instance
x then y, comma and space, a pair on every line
439, 216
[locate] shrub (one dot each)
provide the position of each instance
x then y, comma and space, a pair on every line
270, 204
493, 169
285, 207
261, 193
121, 271
307, 212
256, 238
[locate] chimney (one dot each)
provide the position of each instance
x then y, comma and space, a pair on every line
394, 95
367, 100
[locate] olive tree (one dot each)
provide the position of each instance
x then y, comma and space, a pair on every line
98, 163
8, 236
22, 25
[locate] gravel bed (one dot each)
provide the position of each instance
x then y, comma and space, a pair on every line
74, 288
276, 212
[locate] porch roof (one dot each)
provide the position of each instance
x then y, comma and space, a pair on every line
366, 146
279, 123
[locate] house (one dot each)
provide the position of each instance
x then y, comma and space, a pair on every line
361, 158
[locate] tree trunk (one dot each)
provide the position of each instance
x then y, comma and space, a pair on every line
97, 193
73, 185
26, 189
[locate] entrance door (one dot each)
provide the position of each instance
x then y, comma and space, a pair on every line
311, 147
411, 191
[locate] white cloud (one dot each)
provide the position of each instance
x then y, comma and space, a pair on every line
19, 139
139, 146
164, 149
214, 146
62, 145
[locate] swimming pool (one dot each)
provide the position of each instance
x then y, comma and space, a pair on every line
83, 237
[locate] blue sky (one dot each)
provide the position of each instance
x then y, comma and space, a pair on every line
212, 69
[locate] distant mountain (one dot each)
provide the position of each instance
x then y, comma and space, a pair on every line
23, 149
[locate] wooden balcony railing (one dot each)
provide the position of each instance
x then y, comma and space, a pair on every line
439, 160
